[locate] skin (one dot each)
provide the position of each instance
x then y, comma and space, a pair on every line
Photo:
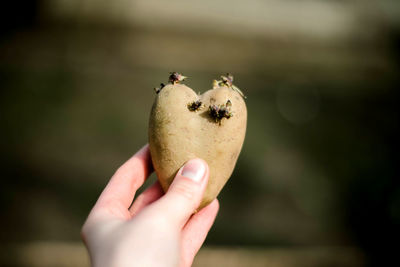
177, 134
154, 230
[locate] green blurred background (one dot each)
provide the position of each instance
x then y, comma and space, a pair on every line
318, 167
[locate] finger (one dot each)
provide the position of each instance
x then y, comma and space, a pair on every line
185, 192
121, 189
195, 231
148, 196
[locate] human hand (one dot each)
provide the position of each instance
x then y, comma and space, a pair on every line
157, 229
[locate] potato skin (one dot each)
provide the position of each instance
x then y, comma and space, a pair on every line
177, 135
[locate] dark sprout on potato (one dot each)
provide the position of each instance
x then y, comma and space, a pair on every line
228, 82
158, 89
218, 112
175, 78
195, 105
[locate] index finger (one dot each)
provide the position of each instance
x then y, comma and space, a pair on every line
120, 191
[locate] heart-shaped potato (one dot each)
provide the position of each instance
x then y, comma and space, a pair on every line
184, 125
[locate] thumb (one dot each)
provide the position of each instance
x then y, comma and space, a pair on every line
186, 191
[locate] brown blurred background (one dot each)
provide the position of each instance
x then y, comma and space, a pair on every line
316, 183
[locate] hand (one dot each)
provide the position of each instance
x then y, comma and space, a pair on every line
157, 229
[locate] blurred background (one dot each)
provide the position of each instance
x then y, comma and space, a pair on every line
316, 183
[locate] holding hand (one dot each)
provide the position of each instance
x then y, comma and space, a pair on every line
156, 229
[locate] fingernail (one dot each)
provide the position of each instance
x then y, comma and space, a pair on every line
194, 169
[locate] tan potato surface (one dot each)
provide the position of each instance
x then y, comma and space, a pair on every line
177, 135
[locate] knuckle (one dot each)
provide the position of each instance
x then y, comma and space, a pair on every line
185, 189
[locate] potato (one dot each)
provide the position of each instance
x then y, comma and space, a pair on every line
184, 125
